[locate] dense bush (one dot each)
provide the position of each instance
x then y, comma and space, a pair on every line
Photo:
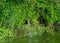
29, 19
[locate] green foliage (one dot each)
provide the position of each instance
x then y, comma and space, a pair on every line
30, 19
5, 34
